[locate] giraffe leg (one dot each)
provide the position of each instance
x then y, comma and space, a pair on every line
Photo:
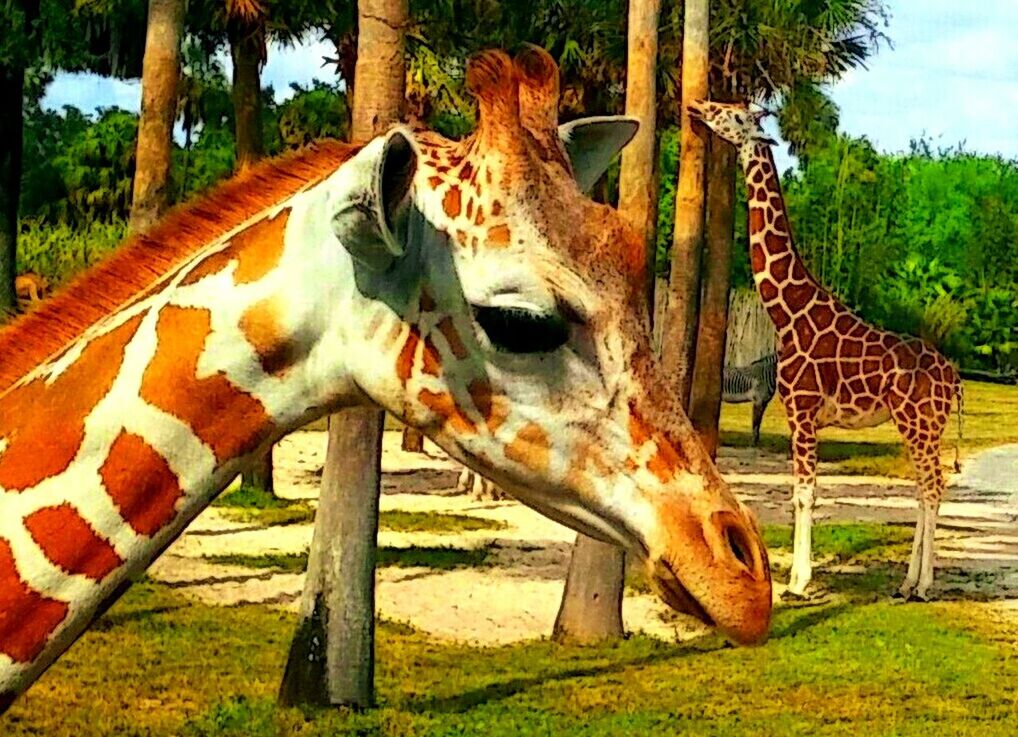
921, 421
463, 482
930, 486
804, 450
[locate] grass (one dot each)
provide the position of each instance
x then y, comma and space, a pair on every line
440, 558
435, 522
159, 664
991, 418
256, 506
248, 504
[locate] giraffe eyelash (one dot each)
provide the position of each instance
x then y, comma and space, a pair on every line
517, 330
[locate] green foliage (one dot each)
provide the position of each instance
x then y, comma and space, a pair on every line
80, 167
922, 243
320, 111
58, 252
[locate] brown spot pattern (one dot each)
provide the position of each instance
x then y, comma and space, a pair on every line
70, 542
228, 420
44, 424
141, 484
27, 618
257, 251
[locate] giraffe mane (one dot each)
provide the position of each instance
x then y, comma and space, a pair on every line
142, 260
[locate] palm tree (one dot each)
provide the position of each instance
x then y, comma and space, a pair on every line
332, 656
160, 72
246, 32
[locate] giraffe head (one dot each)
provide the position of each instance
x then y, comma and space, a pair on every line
734, 122
509, 311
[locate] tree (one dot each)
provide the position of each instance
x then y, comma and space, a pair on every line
332, 656
13, 62
712, 331
678, 342
245, 30
160, 73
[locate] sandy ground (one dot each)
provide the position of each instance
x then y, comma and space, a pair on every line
515, 595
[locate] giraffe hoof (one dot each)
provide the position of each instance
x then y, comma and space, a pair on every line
910, 594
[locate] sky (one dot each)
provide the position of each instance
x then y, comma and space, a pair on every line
950, 74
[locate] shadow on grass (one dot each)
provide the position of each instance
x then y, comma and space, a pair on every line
499, 691
116, 619
801, 622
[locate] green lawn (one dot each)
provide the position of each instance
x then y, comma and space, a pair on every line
246, 504
991, 418
442, 558
161, 665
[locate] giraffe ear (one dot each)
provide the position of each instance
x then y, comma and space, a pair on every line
370, 208
593, 143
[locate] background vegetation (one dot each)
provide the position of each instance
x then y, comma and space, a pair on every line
923, 242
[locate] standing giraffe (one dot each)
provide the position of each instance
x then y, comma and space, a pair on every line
469, 288
834, 369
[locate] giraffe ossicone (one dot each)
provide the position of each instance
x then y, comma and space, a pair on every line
834, 369
468, 287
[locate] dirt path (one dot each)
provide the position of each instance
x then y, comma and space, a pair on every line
515, 594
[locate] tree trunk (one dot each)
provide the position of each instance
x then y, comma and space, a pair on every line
159, 76
247, 48
705, 399
678, 346
380, 77
332, 655
637, 203
12, 82
413, 440
591, 609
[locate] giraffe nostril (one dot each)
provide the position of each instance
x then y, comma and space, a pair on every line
740, 546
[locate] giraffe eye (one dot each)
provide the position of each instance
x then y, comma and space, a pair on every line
519, 330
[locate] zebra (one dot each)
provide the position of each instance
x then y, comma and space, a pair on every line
753, 383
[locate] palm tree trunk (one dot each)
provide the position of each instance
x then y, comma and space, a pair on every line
636, 199
335, 636
591, 608
247, 48
678, 342
332, 657
12, 81
160, 72
705, 399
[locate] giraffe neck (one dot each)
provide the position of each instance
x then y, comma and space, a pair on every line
784, 284
110, 449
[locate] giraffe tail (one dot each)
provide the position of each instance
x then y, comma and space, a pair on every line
961, 425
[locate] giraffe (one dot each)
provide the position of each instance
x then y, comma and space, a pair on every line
834, 369
467, 287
